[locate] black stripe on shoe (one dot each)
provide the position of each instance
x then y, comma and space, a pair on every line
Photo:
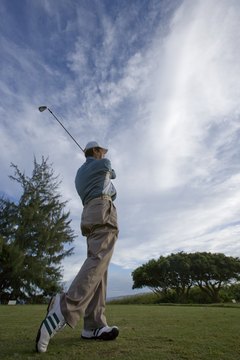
49, 318
56, 318
105, 335
111, 335
45, 322
96, 331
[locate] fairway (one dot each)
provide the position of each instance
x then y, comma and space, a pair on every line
147, 332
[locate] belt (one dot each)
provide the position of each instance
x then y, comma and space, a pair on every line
103, 197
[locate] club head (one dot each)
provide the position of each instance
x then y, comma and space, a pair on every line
42, 108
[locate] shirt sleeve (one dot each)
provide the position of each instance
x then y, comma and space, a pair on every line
107, 163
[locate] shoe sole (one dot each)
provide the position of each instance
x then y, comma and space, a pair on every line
50, 305
106, 336
38, 337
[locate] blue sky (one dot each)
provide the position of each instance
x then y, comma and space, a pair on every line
157, 82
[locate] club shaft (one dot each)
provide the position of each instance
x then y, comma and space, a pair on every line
65, 129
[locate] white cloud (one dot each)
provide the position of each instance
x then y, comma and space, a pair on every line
192, 92
189, 143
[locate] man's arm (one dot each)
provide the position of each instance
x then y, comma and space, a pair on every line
107, 163
112, 174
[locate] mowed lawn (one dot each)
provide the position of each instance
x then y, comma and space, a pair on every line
147, 332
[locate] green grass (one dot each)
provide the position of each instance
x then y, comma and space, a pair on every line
147, 332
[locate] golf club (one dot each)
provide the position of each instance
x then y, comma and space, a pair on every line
43, 108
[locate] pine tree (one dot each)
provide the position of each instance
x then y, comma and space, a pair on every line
11, 258
39, 232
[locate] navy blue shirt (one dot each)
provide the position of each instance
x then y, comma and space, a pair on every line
93, 179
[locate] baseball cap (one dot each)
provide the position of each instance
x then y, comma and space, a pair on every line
94, 144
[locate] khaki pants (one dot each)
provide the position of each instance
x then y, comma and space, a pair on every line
86, 296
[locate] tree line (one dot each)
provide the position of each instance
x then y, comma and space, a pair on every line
35, 236
178, 274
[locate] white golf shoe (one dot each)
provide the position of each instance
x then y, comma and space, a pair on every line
53, 322
102, 333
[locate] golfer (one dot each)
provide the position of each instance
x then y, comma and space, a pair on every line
86, 296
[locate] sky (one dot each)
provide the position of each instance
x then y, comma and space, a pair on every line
157, 83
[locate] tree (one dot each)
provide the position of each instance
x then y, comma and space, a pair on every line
212, 271
37, 233
154, 275
180, 277
171, 272
180, 272
11, 257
